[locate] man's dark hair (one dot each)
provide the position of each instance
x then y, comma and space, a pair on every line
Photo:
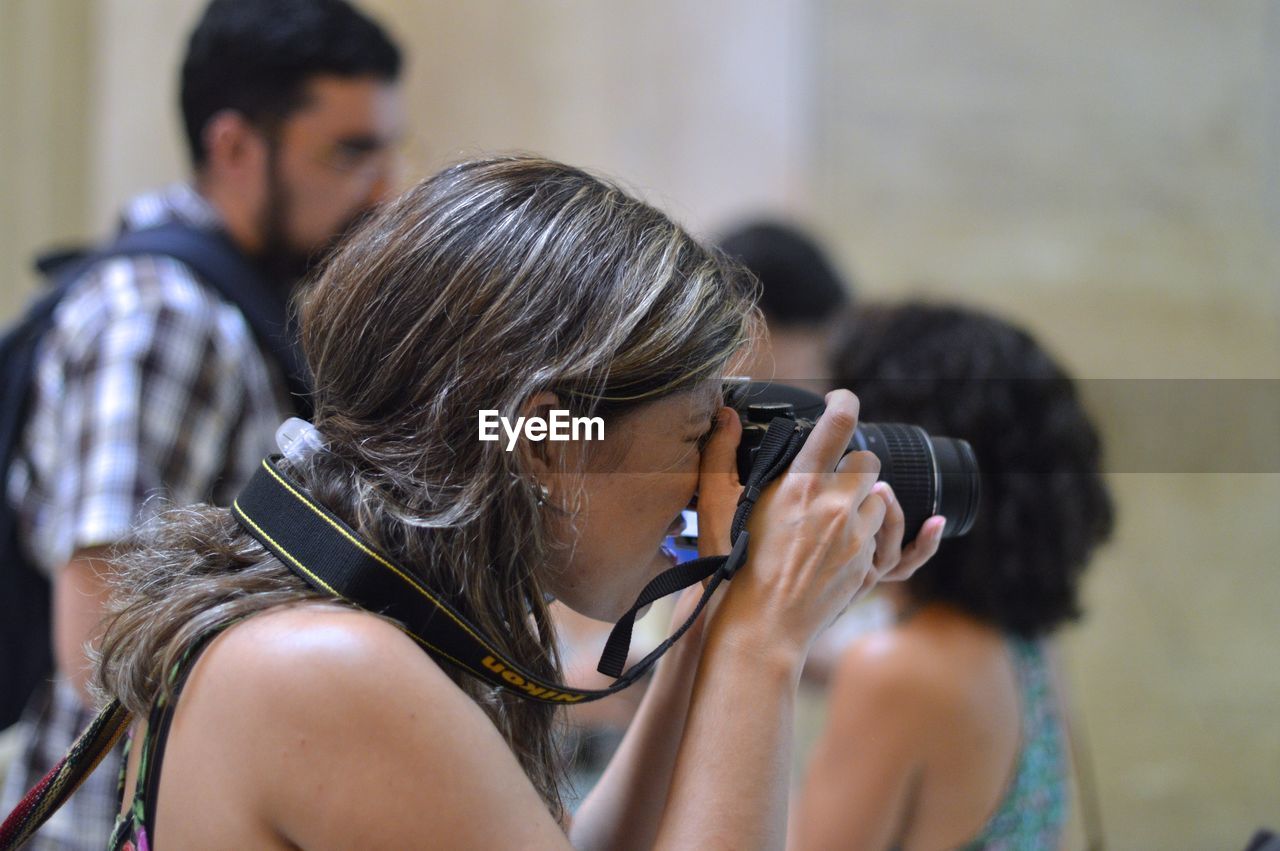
1044, 506
256, 56
797, 281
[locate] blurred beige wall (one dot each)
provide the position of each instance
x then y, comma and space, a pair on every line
1107, 165
137, 132
1107, 173
651, 94
45, 122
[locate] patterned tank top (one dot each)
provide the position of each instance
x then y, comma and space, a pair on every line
135, 828
1033, 812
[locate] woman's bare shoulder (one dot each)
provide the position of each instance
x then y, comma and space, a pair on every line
324, 665
315, 669
322, 707
898, 667
934, 667
332, 636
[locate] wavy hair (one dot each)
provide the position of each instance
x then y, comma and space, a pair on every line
493, 281
1044, 506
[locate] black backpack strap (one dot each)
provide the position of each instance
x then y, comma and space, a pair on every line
221, 265
217, 262
26, 652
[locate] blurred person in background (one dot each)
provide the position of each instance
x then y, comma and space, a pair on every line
801, 294
946, 729
149, 382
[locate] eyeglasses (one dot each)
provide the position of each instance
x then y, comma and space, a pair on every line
367, 158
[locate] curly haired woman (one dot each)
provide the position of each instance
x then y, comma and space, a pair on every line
944, 729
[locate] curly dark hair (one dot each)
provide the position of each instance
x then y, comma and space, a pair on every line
1044, 505
256, 57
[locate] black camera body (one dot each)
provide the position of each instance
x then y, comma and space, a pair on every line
929, 475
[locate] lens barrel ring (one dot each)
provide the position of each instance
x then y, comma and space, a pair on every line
907, 462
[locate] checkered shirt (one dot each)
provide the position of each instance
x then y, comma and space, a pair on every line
148, 385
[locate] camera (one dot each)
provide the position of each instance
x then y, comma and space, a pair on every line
929, 475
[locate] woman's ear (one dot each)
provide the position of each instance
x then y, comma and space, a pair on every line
542, 457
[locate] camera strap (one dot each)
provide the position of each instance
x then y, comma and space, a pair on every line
332, 558
317, 546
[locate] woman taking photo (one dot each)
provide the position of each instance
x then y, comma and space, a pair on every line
284, 719
945, 729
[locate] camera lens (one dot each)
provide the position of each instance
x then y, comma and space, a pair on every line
929, 475
959, 483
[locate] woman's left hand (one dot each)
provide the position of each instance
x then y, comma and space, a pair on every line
718, 485
893, 563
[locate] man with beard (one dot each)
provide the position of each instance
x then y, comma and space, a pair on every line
149, 382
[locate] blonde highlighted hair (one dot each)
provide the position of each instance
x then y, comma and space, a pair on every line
493, 281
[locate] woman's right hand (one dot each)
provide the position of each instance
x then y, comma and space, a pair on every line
813, 537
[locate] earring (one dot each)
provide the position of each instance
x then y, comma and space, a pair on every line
542, 494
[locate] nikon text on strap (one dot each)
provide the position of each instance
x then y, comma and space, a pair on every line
331, 557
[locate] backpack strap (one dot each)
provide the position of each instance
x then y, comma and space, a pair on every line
26, 653
57, 786
213, 258
221, 265
98, 739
